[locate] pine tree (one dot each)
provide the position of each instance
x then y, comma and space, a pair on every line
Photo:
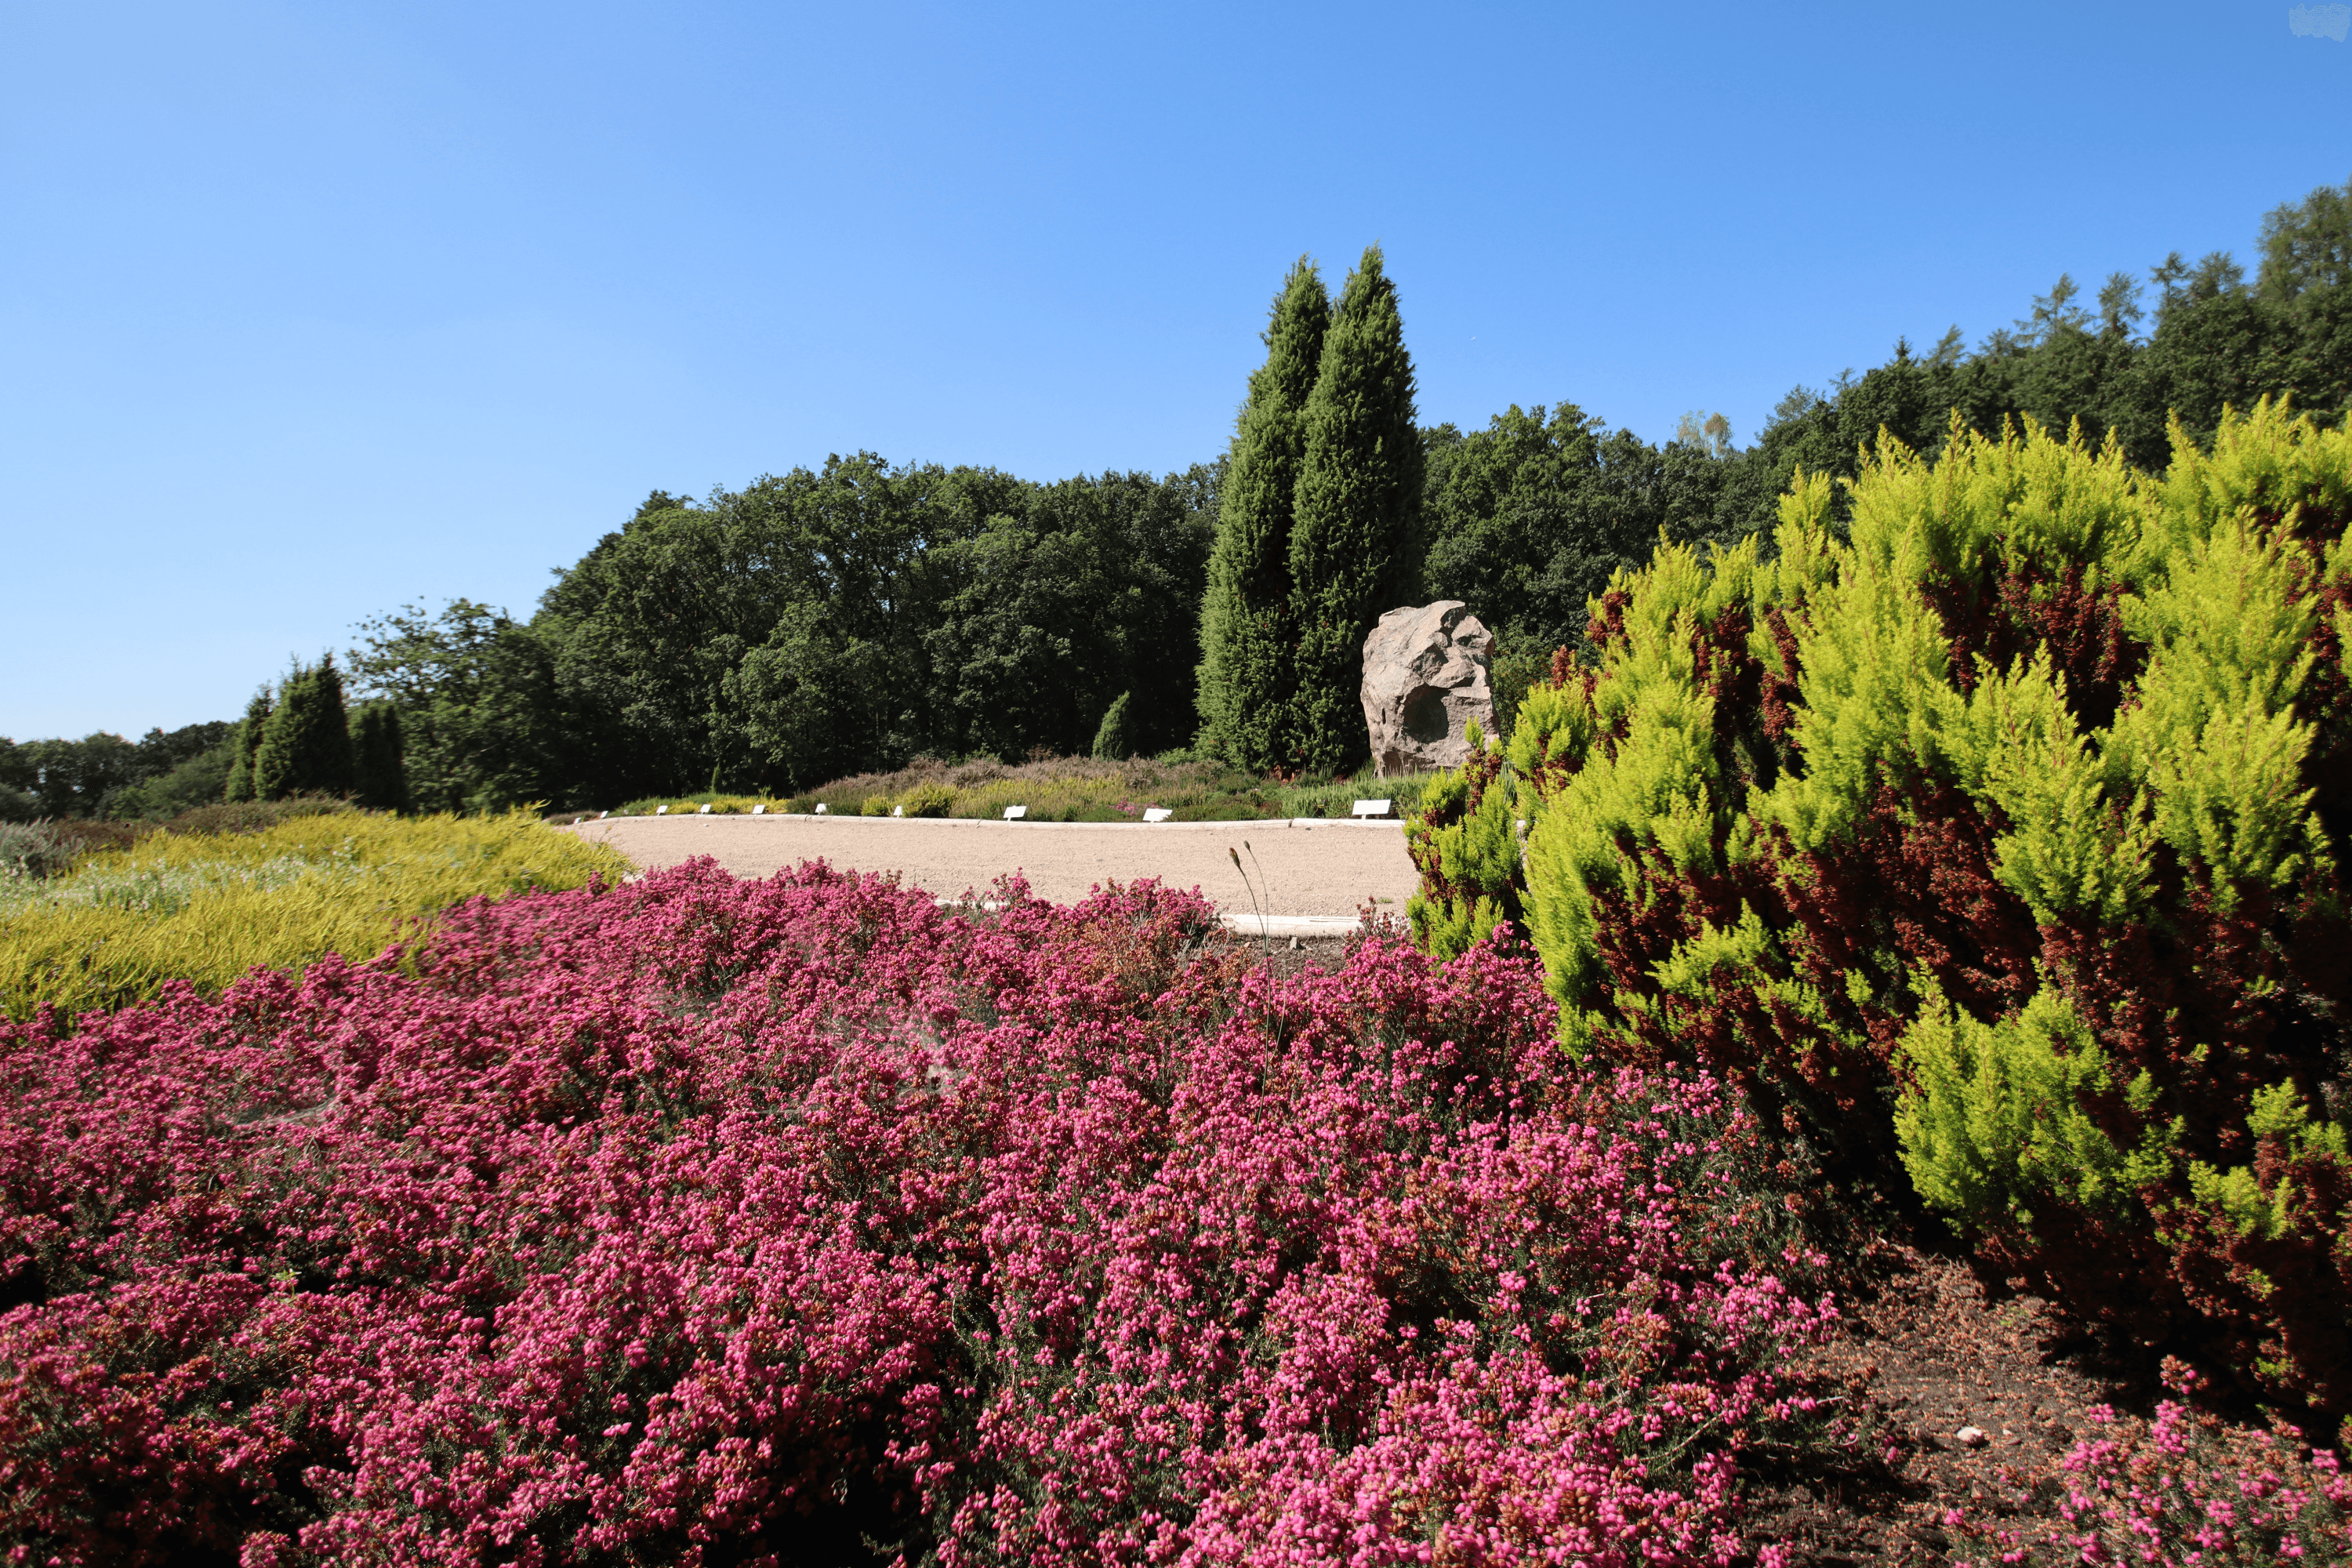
248, 742
306, 746
379, 771
1247, 635
1355, 543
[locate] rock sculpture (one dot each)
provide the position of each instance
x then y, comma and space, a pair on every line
1426, 677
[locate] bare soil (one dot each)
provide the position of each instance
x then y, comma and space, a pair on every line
1332, 868
1929, 1348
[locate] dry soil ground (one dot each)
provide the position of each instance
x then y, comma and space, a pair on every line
1332, 869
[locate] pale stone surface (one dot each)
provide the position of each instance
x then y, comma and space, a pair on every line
1318, 867
1426, 677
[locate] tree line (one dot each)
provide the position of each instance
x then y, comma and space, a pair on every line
859, 614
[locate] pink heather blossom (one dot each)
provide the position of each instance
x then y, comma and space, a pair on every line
2186, 1491
702, 1220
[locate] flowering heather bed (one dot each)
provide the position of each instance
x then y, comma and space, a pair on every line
702, 1221
2184, 1489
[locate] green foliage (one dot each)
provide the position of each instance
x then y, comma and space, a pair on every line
482, 725
1249, 637
1464, 839
930, 798
1355, 539
1994, 1120
818, 624
200, 780
104, 775
379, 771
807, 697
1528, 519
31, 850
1115, 736
306, 743
2018, 809
205, 909
245, 744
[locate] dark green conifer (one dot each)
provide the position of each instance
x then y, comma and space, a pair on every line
306, 746
1354, 542
248, 742
1247, 637
1115, 736
379, 769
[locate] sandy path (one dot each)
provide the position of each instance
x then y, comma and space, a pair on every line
1309, 869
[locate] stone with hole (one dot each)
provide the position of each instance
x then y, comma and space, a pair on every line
1426, 677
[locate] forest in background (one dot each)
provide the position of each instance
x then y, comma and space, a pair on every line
857, 616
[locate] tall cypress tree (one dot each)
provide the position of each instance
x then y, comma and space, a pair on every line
306, 746
248, 742
379, 771
1355, 543
1247, 636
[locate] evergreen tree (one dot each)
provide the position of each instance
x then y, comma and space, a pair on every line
379, 769
1247, 636
248, 742
306, 746
1355, 545
1115, 736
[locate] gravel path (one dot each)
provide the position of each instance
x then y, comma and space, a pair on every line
1322, 868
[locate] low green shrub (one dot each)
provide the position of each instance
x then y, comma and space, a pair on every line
930, 798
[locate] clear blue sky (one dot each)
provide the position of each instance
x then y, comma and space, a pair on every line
313, 310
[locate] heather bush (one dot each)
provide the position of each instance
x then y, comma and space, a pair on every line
1062, 789
2001, 843
702, 1221
252, 815
205, 907
31, 850
2185, 1491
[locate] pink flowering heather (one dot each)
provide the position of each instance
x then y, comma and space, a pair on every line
713, 1222
2185, 1491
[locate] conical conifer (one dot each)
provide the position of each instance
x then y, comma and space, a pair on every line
248, 742
306, 746
1354, 542
1247, 637
379, 771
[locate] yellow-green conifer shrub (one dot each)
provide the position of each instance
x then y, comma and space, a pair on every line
1464, 842
2002, 843
207, 908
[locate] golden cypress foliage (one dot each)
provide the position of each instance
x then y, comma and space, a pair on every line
207, 908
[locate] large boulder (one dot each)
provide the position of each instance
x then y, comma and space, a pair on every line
1426, 677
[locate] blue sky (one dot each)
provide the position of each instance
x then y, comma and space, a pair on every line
314, 309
